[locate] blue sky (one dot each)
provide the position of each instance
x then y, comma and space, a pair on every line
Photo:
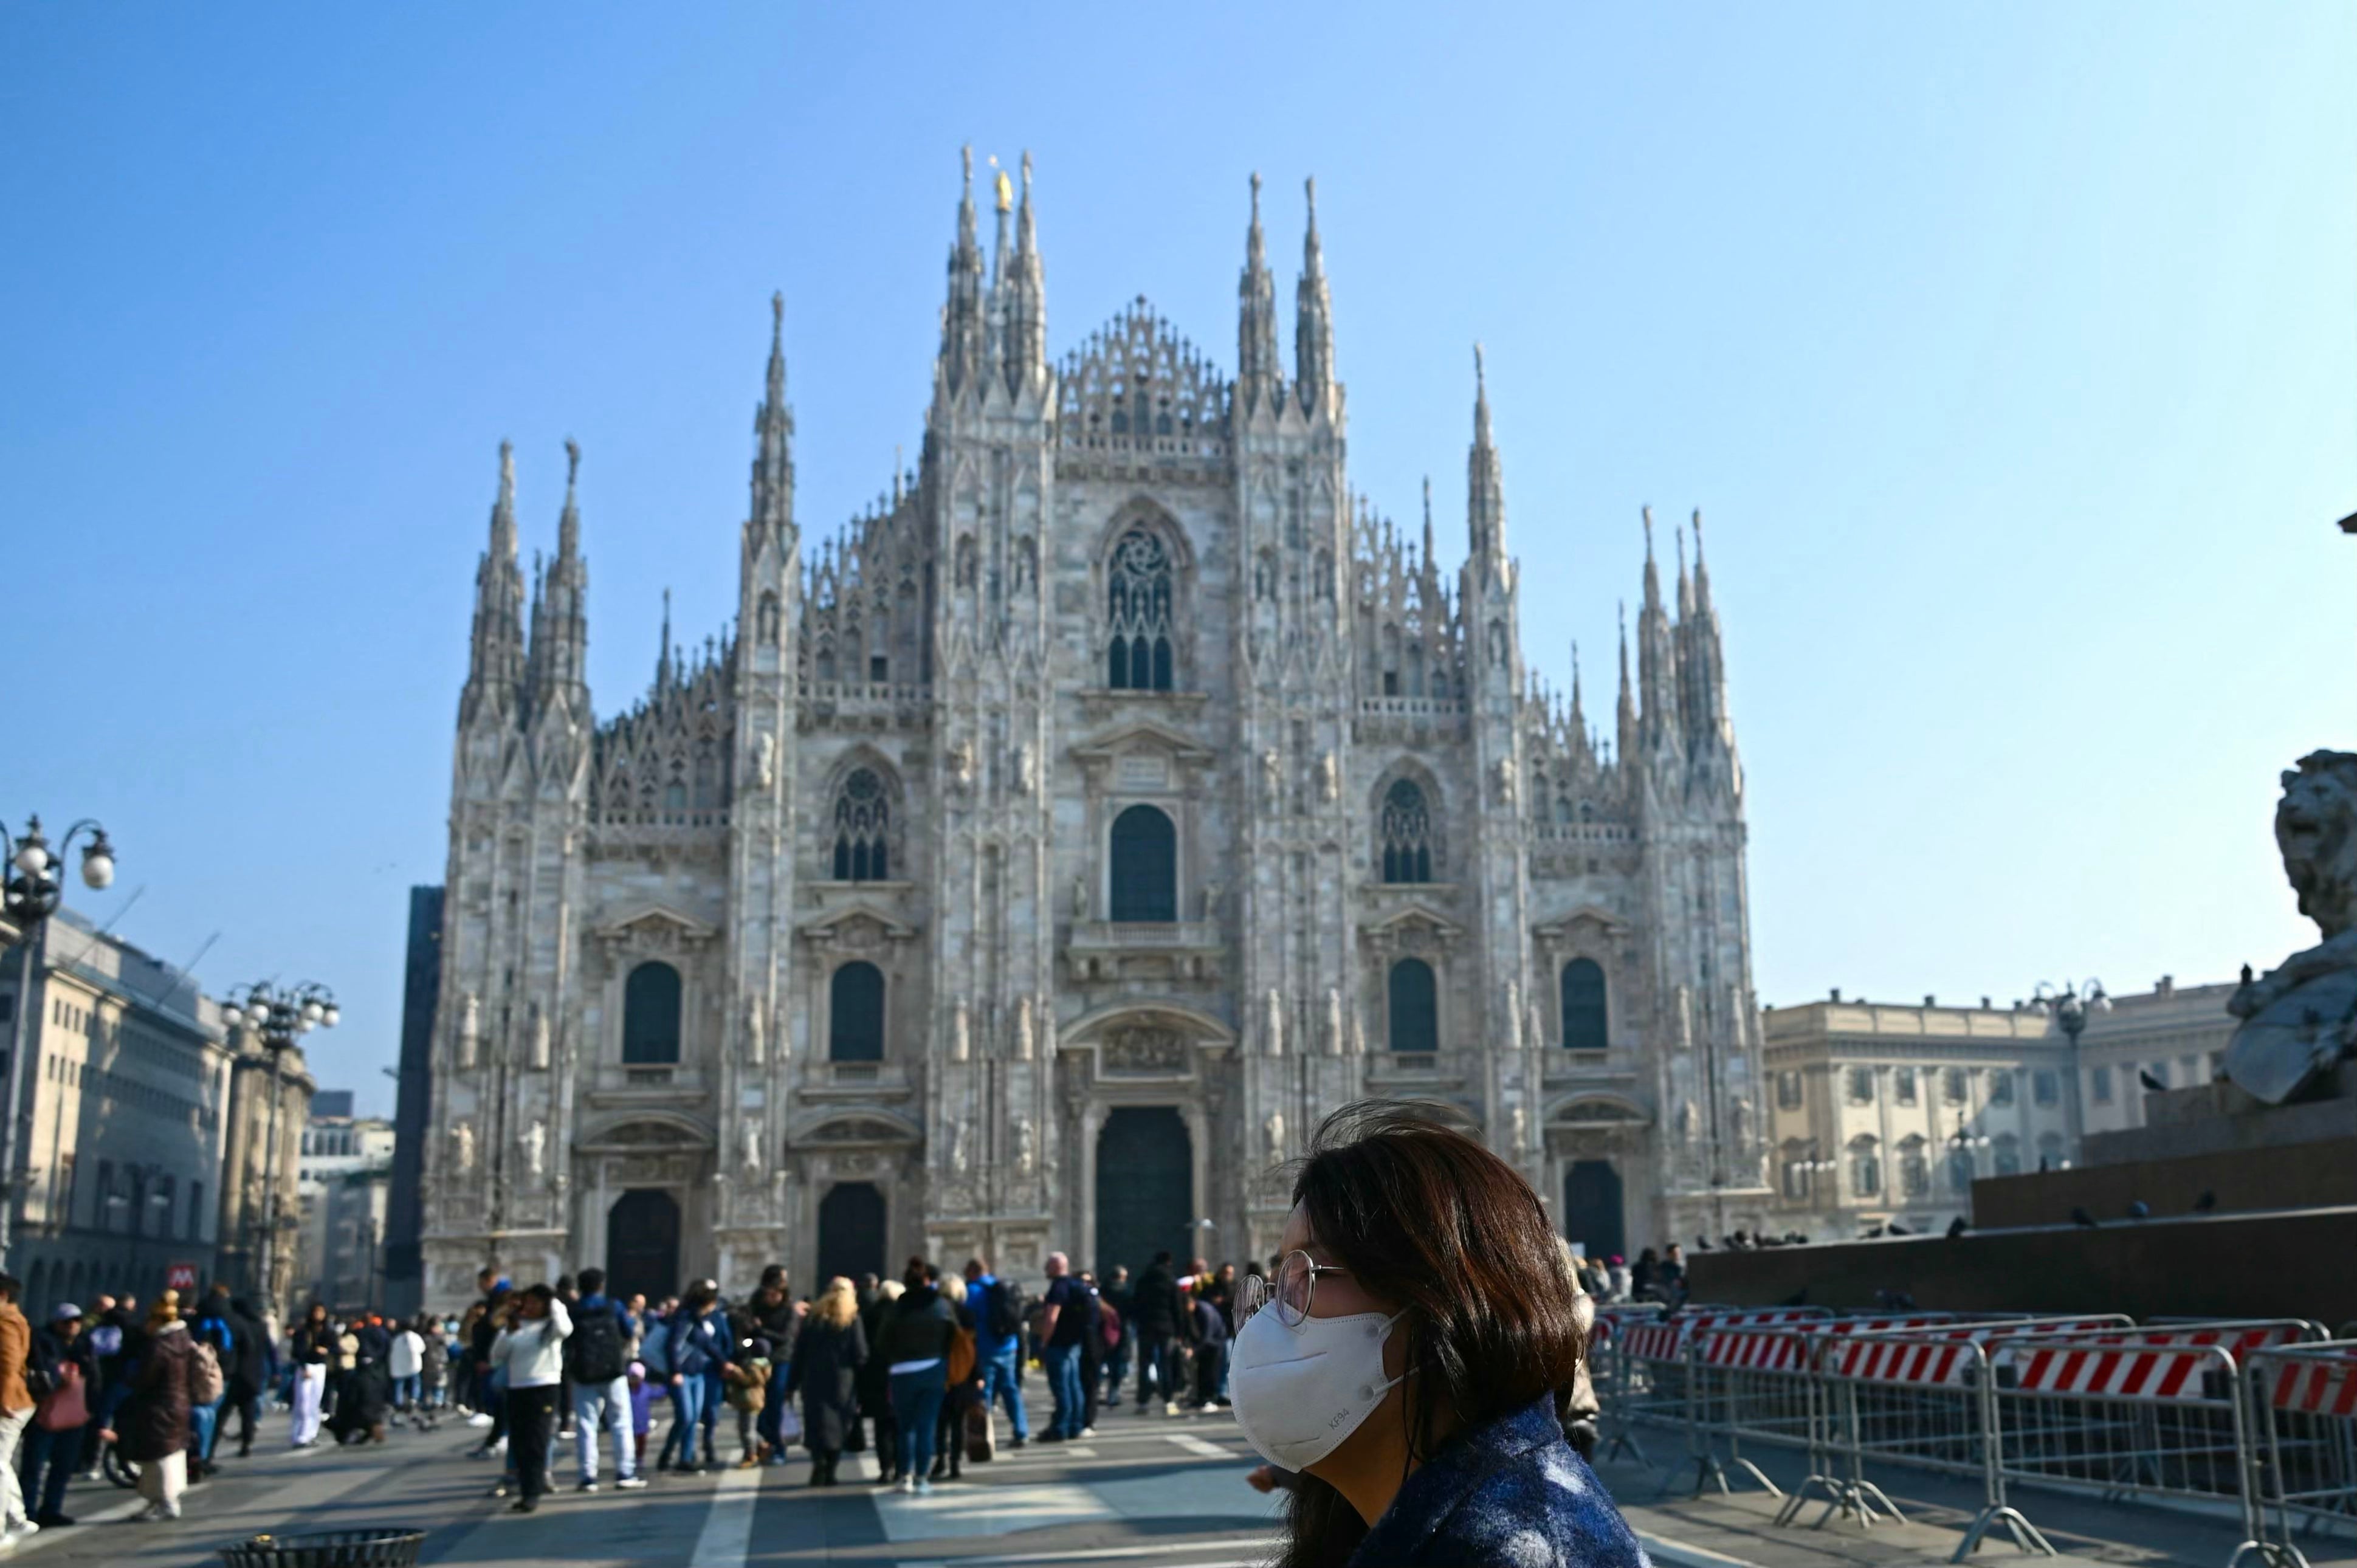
2006, 347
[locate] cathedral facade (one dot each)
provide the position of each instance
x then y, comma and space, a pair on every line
1033, 863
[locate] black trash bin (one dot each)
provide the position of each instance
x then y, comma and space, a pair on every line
327, 1549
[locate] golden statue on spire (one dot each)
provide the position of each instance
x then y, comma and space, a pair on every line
1006, 191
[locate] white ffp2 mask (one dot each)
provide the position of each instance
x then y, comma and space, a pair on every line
1300, 1391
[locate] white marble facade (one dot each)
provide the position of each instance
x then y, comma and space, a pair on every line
1033, 863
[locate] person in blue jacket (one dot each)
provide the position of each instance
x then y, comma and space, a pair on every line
1412, 1357
699, 1347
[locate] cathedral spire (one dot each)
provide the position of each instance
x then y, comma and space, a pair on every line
1428, 556
1701, 571
664, 669
1313, 320
1706, 657
1485, 499
773, 430
961, 317
1026, 309
560, 630
1657, 670
1625, 746
495, 659
1257, 369
1579, 717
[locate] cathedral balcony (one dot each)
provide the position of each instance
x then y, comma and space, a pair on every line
1618, 1066
1408, 718
864, 1081
1144, 949
865, 704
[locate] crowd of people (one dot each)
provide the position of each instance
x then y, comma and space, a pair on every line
1411, 1444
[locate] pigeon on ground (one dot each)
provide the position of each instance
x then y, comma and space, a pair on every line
1898, 1229
2145, 1076
2080, 1217
1957, 1227
2206, 1202
2139, 1209
1702, 1244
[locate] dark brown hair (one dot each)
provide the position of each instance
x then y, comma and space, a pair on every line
1425, 1217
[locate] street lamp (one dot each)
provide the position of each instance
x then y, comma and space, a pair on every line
34, 887
278, 1016
2070, 1007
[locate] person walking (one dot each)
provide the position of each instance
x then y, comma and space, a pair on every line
16, 1404
53, 1441
998, 1307
1408, 1359
313, 1350
701, 1354
532, 1353
963, 1370
598, 1354
250, 1369
874, 1380
1069, 1316
772, 1314
1161, 1311
824, 1367
151, 1426
1120, 1295
914, 1347
405, 1363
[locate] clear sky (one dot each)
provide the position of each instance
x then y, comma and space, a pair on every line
2009, 349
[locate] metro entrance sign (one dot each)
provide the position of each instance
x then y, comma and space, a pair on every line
181, 1277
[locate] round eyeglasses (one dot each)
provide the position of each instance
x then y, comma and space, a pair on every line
1291, 1292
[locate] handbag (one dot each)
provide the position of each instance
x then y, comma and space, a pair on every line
790, 1423
962, 1357
67, 1407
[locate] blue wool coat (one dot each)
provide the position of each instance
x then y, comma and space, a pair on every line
1509, 1494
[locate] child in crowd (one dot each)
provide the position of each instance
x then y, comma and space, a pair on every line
642, 1413
749, 1385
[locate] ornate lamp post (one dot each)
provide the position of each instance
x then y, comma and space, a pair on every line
34, 887
2070, 1007
278, 1017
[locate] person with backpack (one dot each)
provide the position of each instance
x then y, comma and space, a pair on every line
999, 1307
60, 1374
1070, 1318
598, 1356
1160, 1316
252, 1368
212, 1327
16, 1411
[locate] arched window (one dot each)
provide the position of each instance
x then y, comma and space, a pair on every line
855, 1014
1586, 1027
650, 1015
863, 821
1414, 1015
1865, 1167
1145, 865
1405, 834
1914, 1167
1138, 607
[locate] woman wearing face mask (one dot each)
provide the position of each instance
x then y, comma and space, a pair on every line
1410, 1356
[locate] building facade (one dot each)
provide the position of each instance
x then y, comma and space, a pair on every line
123, 1091
1883, 1114
404, 1262
2173, 1035
1036, 861
269, 1101
345, 1183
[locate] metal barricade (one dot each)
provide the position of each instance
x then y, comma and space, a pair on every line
1917, 1398
1758, 1384
1654, 1381
2304, 1470
1610, 1370
2142, 1414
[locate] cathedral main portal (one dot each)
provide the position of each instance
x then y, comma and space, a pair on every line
1145, 1188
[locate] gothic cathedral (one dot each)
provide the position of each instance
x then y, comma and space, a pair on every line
1033, 865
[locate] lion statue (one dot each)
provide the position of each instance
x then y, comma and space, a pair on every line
2313, 831
2301, 1017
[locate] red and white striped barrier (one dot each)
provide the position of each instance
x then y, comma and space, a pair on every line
2161, 1372
1944, 1355
2317, 1381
